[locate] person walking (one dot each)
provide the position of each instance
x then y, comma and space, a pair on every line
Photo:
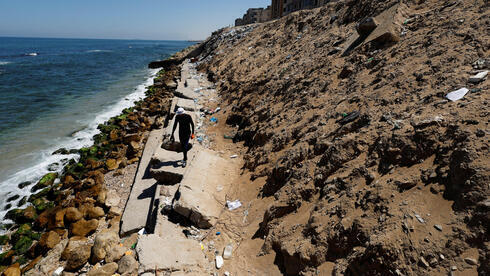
185, 123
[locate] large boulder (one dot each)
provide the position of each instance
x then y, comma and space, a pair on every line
72, 214
76, 253
105, 270
127, 265
84, 227
48, 241
46, 181
13, 270
115, 253
104, 241
95, 212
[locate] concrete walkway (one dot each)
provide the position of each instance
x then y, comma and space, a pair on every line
177, 200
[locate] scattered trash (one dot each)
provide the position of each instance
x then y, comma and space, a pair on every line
133, 246
217, 109
232, 205
348, 117
200, 139
227, 273
202, 246
219, 262
234, 156
228, 252
419, 218
142, 231
213, 120
457, 94
58, 271
129, 252
227, 136
218, 233
478, 77
438, 227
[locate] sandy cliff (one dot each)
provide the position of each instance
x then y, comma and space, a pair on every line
369, 167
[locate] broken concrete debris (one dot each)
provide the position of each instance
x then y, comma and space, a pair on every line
478, 77
457, 94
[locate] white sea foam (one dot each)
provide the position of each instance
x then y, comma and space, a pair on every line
98, 51
4, 62
32, 54
79, 139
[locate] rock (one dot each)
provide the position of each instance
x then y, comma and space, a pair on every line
423, 262
83, 227
72, 214
478, 77
62, 151
127, 264
48, 241
104, 241
115, 253
76, 253
22, 245
13, 270
454, 268
31, 264
12, 198
57, 219
438, 227
29, 213
95, 212
433, 262
24, 184
111, 164
366, 26
58, 271
106, 270
46, 181
346, 72
471, 261
114, 212
112, 198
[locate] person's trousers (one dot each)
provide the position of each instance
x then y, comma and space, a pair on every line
184, 142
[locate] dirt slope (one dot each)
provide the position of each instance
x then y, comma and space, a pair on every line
366, 163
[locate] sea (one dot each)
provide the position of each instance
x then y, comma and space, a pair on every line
54, 93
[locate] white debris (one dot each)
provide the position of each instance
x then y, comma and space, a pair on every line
58, 271
232, 205
228, 252
419, 218
142, 231
219, 262
457, 94
478, 77
234, 156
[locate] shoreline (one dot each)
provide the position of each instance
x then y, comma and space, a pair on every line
117, 144
79, 139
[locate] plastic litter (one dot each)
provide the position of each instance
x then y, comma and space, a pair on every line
213, 119
142, 231
217, 109
227, 136
478, 77
227, 273
234, 156
218, 233
219, 262
58, 271
228, 252
457, 94
232, 205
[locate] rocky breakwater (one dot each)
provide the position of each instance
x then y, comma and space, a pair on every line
370, 167
72, 219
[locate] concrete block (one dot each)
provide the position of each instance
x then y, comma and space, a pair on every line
166, 166
138, 206
200, 199
172, 254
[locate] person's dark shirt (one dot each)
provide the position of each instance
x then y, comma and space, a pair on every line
185, 123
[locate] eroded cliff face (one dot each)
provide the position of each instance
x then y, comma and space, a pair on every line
369, 165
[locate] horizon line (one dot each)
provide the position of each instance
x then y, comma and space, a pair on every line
90, 38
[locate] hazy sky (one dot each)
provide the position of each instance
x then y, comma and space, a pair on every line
131, 19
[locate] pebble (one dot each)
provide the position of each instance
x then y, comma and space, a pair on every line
454, 268
438, 227
471, 261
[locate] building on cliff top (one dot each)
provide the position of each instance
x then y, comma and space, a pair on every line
254, 15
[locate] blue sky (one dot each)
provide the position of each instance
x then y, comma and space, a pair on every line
127, 19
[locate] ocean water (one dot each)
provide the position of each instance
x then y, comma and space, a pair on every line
54, 93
